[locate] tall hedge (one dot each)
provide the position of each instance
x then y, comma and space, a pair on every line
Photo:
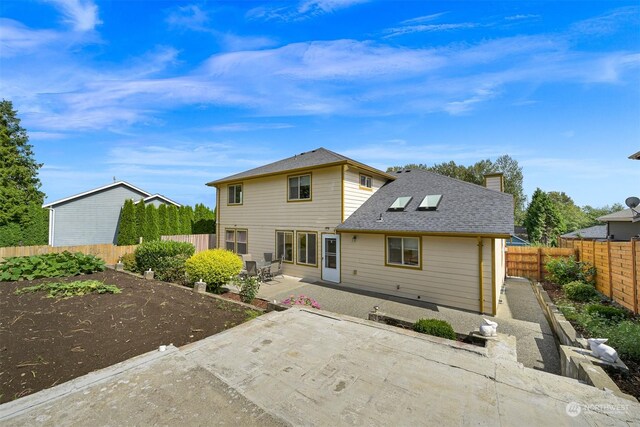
186, 219
141, 211
204, 220
151, 231
127, 226
162, 220
172, 220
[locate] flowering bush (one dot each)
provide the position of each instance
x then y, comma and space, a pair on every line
301, 300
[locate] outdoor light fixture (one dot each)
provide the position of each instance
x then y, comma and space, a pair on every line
354, 238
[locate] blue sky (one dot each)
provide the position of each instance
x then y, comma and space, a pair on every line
171, 95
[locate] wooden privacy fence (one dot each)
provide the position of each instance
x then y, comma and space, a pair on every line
617, 265
108, 252
202, 242
527, 261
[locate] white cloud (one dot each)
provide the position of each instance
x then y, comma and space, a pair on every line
16, 38
302, 10
608, 23
521, 17
429, 28
249, 127
422, 19
82, 15
191, 17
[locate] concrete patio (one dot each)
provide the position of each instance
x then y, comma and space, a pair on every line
519, 313
310, 367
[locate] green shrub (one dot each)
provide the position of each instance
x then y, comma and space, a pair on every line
438, 328
608, 312
66, 290
49, 265
565, 270
172, 269
215, 266
152, 255
580, 291
129, 261
249, 287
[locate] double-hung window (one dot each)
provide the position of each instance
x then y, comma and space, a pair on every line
284, 245
234, 192
299, 188
403, 251
307, 248
236, 240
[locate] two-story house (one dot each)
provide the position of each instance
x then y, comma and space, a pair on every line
413, 234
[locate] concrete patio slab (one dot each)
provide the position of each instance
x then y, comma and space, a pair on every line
310, 367
519, 314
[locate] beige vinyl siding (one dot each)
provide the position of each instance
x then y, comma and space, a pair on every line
449, 274
354, 196
265, 209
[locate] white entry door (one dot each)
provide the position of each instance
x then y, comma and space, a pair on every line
331, 258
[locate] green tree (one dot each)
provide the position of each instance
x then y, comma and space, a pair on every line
594, 213
127, 225
542, 220
475, 173
173, 225
572, 216
204, 220
19, 182
163, 227
141, 210
151, 231
186, 219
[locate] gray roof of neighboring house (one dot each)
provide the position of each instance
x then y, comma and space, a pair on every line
160, 197
595, 232
623, 215
95, 190
465, 208
318, 157
635, 156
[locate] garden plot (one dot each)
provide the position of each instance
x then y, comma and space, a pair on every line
45, 341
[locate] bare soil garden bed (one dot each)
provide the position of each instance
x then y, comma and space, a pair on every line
47, 341
628, 383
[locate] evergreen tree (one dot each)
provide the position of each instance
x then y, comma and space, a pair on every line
172, 220
19, 182
151, 231
127, 225
542, 220
186, 218
203, 220
163, 228
140, 216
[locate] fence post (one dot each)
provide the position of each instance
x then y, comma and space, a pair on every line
609, 265
539, 264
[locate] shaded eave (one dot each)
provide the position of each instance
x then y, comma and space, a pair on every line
159, 196
95, 190
302, 169
422, 233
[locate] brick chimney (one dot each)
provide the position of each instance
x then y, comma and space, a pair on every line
494, 181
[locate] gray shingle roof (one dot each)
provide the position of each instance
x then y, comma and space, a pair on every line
318, 157
623, 215
595, 232
464, 208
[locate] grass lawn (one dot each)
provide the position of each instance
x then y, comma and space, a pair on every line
47, 341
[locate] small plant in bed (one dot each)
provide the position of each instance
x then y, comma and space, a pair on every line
249, 287
580, 291
49, 265
71, 289
435, 327
566, 270
301, 300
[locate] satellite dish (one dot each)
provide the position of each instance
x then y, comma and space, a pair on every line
632, 202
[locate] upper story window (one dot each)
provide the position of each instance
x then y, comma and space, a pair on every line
299, 188
366, 182
234, 194
403, 251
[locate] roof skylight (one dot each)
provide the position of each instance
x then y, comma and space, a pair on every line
430, 202
400, 203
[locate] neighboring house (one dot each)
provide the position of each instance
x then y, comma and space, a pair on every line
621, 225
92, 217
413, 234
517, 241
595, 232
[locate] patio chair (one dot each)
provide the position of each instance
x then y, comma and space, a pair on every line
252, 269
246, 257
276, 269
268, 256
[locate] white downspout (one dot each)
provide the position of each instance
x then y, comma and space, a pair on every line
52, 222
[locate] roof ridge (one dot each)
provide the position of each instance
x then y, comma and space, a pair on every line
477, 186
94, 190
